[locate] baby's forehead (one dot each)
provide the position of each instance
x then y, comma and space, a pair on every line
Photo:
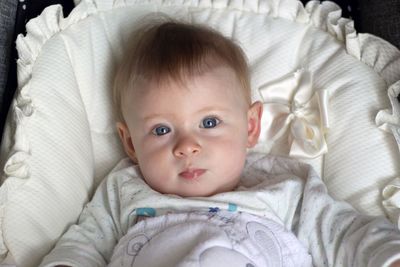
218, 87
219, 75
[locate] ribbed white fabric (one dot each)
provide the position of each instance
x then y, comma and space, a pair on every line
60, 139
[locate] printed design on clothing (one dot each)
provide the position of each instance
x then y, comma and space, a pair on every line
233, 238
212, 256
148, 212
266, 240
232, 207
134, 246
213, 209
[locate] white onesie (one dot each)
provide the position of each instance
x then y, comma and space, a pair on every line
275, 196
209, 239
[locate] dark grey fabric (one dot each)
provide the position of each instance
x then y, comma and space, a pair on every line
381, 18
19, 12
378, 17
349, 7
8, 10
11, 79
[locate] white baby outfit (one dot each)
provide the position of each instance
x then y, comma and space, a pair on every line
279, 215
208, 239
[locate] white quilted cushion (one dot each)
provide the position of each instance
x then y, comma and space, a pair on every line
60, 139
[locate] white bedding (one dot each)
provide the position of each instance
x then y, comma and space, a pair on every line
60, 140
249, 225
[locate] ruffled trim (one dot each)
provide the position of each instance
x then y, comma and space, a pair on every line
292, 106
39, 31
390, 121
384, 58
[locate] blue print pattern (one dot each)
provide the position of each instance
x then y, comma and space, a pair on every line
232, 207
148, 212
213, 209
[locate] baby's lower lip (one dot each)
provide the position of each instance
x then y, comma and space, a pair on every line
192, 174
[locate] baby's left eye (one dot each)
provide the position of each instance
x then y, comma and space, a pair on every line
210, 122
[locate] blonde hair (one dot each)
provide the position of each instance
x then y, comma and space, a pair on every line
170, 50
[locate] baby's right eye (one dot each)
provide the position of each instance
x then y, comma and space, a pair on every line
160, 130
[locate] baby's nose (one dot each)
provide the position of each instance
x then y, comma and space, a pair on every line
187, 147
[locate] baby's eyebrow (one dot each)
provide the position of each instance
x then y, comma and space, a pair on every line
211, 109
154, 116
203, 110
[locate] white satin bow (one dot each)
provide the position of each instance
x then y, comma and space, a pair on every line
293, 107
387, 120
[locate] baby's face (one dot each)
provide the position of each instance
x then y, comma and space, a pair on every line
191, 139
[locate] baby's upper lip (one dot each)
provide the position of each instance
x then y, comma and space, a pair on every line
191, 169
190, 173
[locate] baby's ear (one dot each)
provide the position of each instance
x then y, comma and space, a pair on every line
126, 140
254, 115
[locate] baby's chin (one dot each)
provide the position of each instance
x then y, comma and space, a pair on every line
201, 193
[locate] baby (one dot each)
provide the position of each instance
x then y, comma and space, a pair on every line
189, 194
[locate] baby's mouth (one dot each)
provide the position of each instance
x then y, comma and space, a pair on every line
192, 173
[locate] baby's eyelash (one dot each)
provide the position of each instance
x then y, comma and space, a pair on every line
160, 130
158, 127
210, 122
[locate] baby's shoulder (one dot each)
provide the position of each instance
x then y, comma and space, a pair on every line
266, 164
124, 171
125, 167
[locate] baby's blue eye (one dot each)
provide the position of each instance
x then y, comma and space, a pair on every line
161, 130
210, 122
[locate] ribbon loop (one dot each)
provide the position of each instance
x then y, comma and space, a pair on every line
293, 108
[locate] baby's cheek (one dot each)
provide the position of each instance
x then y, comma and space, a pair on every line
156, 167
151, 154
154, 178
153, 166
232, 154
